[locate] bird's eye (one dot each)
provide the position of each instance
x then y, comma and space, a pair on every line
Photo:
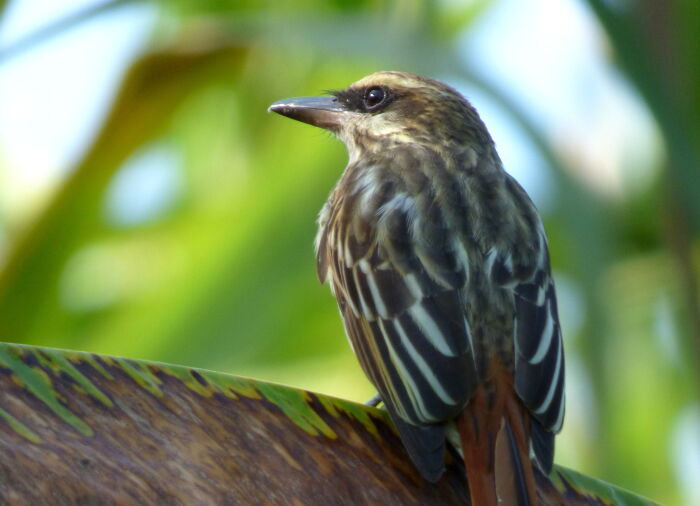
374, 98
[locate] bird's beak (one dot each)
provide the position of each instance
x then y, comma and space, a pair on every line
323, 112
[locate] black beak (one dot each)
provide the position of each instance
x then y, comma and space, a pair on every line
323, 112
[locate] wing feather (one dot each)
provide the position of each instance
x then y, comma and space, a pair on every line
409, 328
539, 357
539, 352
539, 365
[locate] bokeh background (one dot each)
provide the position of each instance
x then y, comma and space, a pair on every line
150, 208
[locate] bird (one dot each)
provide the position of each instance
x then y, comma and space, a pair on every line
439, 263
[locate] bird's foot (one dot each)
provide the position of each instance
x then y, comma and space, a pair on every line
374, 401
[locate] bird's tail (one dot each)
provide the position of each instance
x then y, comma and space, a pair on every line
494, 438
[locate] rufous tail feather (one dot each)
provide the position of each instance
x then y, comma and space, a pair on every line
494, 438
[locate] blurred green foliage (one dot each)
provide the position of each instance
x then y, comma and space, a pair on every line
224, 279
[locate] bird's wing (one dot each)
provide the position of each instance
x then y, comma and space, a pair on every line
400, 301
539, 352
539, 362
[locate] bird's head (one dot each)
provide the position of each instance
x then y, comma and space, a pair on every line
389, 108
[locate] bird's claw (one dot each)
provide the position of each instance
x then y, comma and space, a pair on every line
374, 401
